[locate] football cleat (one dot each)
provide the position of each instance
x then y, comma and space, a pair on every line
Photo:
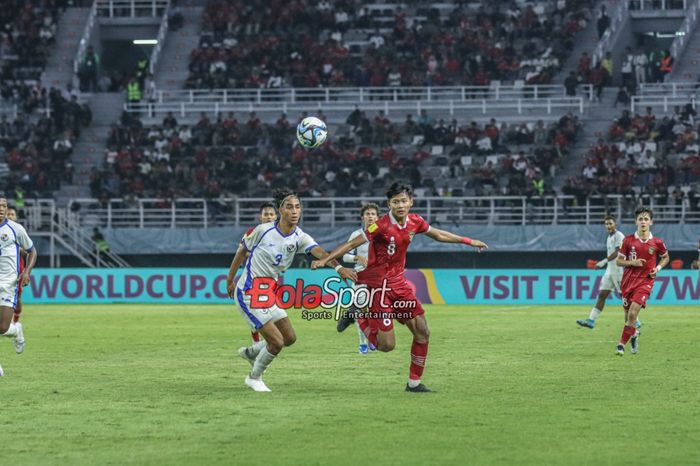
256, 384
19, 339
420, 388
371, 347
588, 323
243, 353
620, 350
634, 341
364, 349
347, 319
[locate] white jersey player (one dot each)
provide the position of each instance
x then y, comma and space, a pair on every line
13, 237
613, 273
369, 215
272, 247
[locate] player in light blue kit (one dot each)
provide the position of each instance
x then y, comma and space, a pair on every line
13, 237
369, 215
613, 272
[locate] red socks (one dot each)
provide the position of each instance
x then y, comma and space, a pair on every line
627, 333
369, 332
255, 336
15, 317
419, 351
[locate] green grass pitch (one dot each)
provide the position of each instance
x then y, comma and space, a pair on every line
159, 384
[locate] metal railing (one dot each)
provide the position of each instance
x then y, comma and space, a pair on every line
84, 42
685, 31
371, 94
131, 8
162, 32
452, 108
661, 101
665, 95
605, 42
655, 5
332, 212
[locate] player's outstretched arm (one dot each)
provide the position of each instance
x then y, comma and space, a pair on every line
602, 263
321, 254
665, 259
447, 237
23, 279
238, 259
339, 251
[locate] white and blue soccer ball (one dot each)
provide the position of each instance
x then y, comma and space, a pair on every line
312, 132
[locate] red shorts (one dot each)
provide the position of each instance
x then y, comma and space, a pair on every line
639, 295
399, 303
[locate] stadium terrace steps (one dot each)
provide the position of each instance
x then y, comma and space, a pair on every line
172, 69
596, 124
59, 67
687, 69
90, 148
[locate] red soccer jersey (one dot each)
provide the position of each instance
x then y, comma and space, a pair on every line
634, 248
389, 243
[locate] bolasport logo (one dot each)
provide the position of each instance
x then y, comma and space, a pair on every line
330, 296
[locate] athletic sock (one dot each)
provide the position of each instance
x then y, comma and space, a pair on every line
261, 362
363, 337
255, 336
11, 331
15, 316
627, 333
369, 332
255, 348
595, 312
419, 351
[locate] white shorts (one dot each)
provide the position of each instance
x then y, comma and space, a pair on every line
257, 317
611, 281
8, 295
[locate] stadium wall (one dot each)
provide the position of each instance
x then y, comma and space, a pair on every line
433, 286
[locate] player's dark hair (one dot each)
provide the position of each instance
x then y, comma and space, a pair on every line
281, 194
266, 205
397, 188
643, 210
609, 217
368, 206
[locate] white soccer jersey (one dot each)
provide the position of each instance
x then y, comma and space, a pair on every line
360, 251
271, 252
13, 236
614, 242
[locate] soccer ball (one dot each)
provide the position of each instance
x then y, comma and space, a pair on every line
311, 132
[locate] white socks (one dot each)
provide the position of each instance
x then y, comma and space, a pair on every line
595, 312
363, 337
413, 383
261, 362
12, 331
255, 348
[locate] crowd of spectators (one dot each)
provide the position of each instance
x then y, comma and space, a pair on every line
276, 43
27, 30
225, 157
643, 154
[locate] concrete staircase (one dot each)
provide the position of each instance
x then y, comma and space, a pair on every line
172, 67
595, 125
59, 68
90, 148
687, 69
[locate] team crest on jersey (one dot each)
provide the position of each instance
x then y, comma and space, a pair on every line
4, 237
411, 234
291, 247
651, 250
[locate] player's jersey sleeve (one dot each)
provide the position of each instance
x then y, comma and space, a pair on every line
618, 240
625, 248
251, 238
306, 242
661, 247
247, 233
350, 256
374, 230
421, 225
23, 239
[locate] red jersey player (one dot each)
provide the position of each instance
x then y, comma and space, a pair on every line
638, 256
267, 214
389, 239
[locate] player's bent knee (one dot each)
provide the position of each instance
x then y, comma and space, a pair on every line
385, 347
289, 340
